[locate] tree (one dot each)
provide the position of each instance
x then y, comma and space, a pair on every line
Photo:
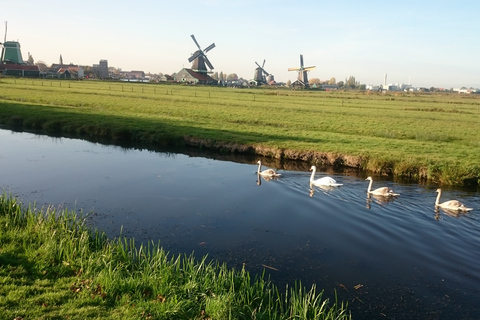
215, 75
351, 83
332, 81
42, 66
232, 76
289, 83
30, 60
220, 77
314, 81
340, 84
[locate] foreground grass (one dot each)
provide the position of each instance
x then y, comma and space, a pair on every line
53, 267
420, 136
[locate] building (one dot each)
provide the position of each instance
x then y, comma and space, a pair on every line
101, 69
192, 77
12, 64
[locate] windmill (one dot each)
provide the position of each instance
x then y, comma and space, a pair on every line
261, 75
10, 50
200, 60
302, 78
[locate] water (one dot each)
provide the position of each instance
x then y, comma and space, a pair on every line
394, 260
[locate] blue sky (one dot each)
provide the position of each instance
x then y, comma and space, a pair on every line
426, 43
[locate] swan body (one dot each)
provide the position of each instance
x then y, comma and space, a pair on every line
382, 191
267, 172
325, 181
450, 205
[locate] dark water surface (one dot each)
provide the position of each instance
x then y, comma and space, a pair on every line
395, 260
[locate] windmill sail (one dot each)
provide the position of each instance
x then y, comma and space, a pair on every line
302, 77
199, 60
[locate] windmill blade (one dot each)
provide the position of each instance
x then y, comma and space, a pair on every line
263, 65
208, 62
210, 47
195, 40
309, 68
258, 64
301, 61
195, 55
293, 69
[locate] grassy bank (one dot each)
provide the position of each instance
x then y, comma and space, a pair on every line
420, 136
53, 267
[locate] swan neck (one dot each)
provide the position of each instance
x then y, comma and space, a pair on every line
369, 186
312, 177
438, 198
259, 167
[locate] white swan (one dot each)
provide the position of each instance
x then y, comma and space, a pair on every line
267, 172
325, 181
450, 205
382, 191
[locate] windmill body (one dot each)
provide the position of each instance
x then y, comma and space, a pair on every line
199, 58
261, 75
11, 61
302, 78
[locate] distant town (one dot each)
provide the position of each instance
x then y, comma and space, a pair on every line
12, 64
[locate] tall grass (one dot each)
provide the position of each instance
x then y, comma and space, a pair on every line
385, 132
54, 266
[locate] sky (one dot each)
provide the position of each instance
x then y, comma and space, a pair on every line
423, 43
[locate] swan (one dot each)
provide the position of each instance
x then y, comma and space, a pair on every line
325, 181
382, 191
267, 172
450, 205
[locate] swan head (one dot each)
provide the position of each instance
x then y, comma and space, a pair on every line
312, 168
439, 190
259, 162
369, 178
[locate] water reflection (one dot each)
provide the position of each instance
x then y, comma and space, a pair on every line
379, 199
449, 212
266, 178
324, 188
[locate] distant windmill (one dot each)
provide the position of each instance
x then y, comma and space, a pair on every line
302, 78
10, 50
200, 60
261, 75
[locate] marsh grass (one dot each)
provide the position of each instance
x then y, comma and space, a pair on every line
52, 266
390, 131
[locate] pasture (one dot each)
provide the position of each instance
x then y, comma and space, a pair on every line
421, 136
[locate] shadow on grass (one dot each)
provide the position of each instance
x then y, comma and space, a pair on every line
120, 129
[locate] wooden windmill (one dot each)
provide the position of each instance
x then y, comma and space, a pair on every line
10, 51
199, 58
302, 78
261, 75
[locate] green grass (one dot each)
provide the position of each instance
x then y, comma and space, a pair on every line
53, 267
420, 136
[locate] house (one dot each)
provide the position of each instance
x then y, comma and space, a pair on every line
70, 73
165, 78
190, 76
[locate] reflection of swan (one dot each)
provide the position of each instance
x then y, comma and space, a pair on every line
267, 172
380, 199
266, 178
453, 205
325, 181
325, 189
382, 191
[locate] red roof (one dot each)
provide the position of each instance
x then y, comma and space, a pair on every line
200, 76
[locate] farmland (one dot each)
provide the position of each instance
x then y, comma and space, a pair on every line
420, 136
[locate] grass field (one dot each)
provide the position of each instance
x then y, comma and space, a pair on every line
416, 135
53, 267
